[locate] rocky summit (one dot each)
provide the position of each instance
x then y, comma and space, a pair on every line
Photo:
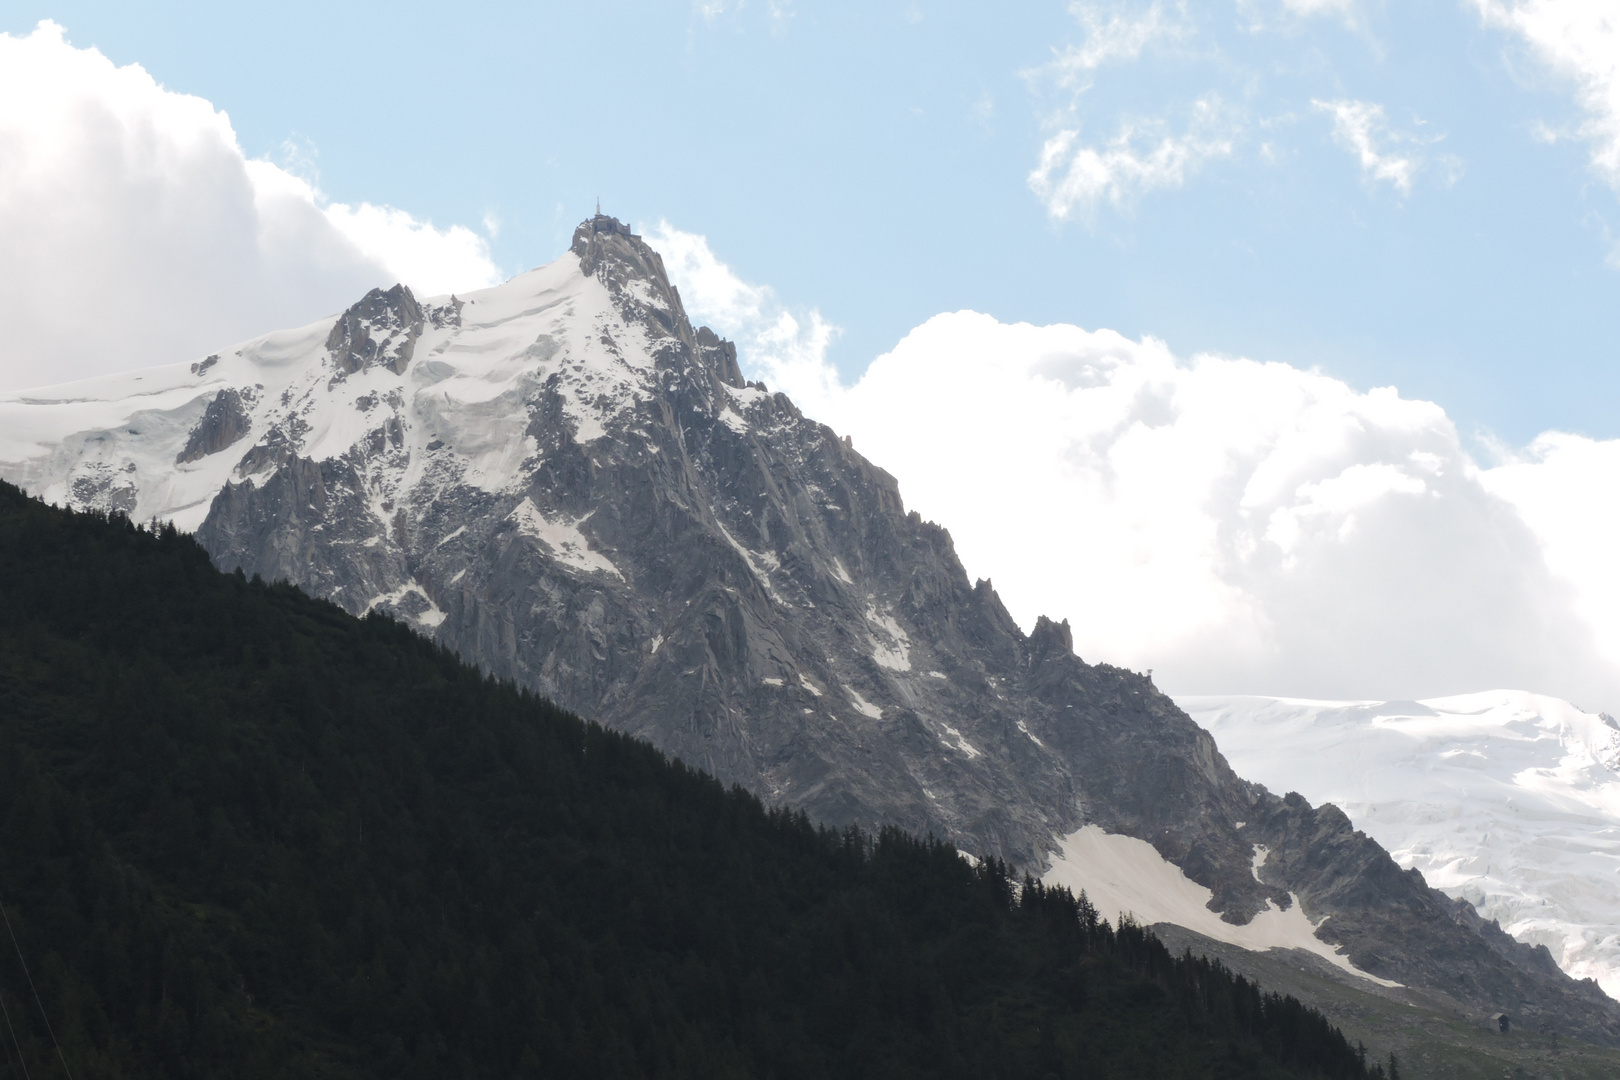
565, 481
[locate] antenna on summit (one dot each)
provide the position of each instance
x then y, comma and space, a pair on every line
599, 206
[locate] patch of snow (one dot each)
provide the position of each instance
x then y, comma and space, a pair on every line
733, 421
431, 617
762, 575
1261, 854
1508, 800
643, 291
810, 686
862, 706
958, 743
658, 639
1121, 874
566, 543
840, 573
891, 648
936, 675
746, 395
772, 682
1025, 729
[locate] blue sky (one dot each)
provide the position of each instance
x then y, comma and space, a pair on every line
872, 161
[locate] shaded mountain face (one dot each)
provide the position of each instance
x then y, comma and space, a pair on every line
566, 482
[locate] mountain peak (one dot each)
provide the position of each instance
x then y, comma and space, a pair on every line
380, 329
634, 273
608, 249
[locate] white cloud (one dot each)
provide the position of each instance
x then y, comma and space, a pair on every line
137, 232
1342, 8
1260, 12
1565, 487
788, 351
429, 260
1578, 40
1235, 525
1361, 128
1239, 527
1114, 37
1074, 178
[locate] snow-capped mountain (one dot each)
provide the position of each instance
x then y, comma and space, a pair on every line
565, 481
1508, 800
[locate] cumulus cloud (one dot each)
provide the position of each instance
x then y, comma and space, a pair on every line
1074, 178
1564, 487
1578, 40
137, 232
1237, 526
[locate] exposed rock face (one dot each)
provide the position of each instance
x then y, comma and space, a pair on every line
566, 482
224, 422
381, 330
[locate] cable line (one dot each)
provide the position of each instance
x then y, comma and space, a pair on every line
13, 1031
41, 1004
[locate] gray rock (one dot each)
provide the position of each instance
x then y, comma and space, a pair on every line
381, 329
223, 424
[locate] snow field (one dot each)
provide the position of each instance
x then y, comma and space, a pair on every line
1124, 875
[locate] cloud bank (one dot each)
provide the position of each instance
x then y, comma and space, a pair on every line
137, 232
1238, 527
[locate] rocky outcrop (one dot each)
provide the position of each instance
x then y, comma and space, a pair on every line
224, 423
380, 330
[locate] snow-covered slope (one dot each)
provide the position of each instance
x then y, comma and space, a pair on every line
119, 442
1508, 800
1122, 875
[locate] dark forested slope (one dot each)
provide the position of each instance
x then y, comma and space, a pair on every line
244, 833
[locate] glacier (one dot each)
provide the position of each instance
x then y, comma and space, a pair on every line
1509, 800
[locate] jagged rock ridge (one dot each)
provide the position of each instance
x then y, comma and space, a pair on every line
565, 481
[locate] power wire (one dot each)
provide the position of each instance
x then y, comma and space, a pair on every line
14, 1041
61, 1056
